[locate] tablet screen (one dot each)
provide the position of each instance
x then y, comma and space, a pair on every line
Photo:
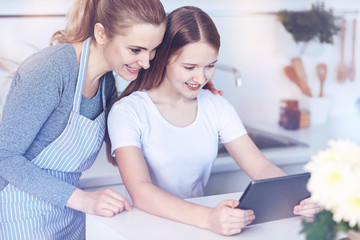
275, 198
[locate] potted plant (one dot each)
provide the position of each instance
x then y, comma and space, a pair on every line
335, 185
308, 25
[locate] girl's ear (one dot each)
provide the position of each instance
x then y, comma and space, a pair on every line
99, 33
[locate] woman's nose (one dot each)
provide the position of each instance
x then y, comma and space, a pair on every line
144, 61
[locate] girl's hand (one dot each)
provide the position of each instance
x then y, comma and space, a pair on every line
228, 220
307, 208
106, 202
210, 86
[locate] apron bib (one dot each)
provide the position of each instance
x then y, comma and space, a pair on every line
75, 150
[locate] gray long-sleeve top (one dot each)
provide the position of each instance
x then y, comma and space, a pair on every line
37, 108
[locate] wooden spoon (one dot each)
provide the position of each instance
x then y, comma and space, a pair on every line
342, 71
352, 64
321, 70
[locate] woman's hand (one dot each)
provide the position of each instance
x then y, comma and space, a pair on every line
307, 208
210, 86
228, 220
106, 202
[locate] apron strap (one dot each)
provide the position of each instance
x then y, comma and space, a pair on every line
81, 76
103, 93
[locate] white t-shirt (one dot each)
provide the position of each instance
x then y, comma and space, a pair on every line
179, 159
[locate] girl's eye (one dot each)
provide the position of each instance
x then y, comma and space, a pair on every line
135, 50
210, 66
189, 68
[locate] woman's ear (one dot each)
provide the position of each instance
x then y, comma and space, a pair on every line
99, 33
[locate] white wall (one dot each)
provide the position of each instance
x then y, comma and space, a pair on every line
259, 46
252, 41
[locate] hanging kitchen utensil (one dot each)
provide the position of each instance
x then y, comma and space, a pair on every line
291, 74
299, 69
321, 70
342, 70
352, 63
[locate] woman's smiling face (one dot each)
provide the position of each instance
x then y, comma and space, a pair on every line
190, 68
127, 54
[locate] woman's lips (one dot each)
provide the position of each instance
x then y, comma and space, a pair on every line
132, 69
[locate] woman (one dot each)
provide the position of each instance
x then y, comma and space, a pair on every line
165, 137
53, 122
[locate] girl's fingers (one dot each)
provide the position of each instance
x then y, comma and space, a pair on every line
306, 201
234, 231
308, 210
239, 223
230, 203
234, 226
243, 214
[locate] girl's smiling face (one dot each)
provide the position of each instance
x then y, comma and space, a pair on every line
127, 54
190, 68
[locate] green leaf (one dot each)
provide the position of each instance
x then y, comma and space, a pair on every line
323, 227
307, 25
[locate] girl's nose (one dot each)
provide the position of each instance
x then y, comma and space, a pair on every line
200, 78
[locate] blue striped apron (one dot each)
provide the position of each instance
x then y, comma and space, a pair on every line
28, 217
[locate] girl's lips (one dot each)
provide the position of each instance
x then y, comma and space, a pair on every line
132, 69
193, 86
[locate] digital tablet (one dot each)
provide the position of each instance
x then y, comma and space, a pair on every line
275, 198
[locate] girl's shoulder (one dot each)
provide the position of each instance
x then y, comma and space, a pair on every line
207, 97
135, 100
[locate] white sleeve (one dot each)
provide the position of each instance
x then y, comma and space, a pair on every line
123, 126
230, 125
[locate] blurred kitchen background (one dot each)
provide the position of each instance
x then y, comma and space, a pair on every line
254, 42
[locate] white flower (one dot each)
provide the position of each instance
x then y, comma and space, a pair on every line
349, 211
335, 180
327, 181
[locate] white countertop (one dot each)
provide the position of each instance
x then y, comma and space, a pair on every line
103, 173
141, 225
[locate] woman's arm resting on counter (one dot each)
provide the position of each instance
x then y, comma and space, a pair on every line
106, 202
223, 219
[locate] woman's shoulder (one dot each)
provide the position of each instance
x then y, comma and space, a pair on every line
134, 106
52, 65
51, 58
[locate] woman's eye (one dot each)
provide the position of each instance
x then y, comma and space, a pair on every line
135, 50
189, 68
210, 66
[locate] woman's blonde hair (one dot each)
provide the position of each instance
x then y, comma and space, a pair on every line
114, 15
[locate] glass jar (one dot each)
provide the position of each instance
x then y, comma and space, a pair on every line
289, 114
